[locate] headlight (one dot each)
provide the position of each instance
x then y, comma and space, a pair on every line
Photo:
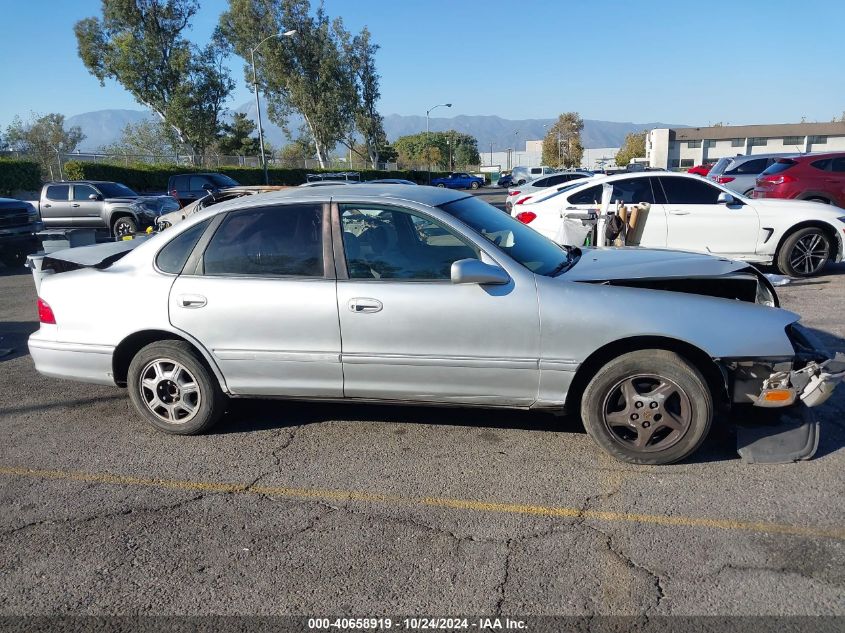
765, 295
32, 214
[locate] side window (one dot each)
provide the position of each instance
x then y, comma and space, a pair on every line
591, 195
180, 183
81, 192
196, 183
756, 166
283, 241
633, 191
689, 191
388, 243
172, 258
58, 192
838, 164
823, 164
545, 182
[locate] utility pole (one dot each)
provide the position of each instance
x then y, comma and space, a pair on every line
428, 138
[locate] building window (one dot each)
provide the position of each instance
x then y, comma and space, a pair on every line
693, 144
710, 144
687, 162
818, 140
737, 142
758, 141
793, 140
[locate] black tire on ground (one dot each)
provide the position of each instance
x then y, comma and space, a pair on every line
521, 182
748, 193
13, 258
804, 252
173, 389
648, 407
124, 225
474, 185
441, 185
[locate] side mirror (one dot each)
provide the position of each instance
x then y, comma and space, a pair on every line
95, 196
725, 198
474, 271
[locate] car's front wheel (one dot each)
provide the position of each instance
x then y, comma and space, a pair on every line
474, 185
804, 252
441, 185
172, 388
123, 226
648, 407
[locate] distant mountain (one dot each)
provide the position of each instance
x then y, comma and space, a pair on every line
103, 127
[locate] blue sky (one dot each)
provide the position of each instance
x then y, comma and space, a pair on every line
693, 62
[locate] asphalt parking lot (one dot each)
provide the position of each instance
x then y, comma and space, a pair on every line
295, 508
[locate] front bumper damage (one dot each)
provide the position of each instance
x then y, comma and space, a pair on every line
805, 381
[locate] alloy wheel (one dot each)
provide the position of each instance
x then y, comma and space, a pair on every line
810, 253
647, 413
169, 391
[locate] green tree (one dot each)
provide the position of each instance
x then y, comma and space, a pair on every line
632, 147
149, 137
297, 152
562, 144
45, 138
413, 148
141, 44
368, 123
236, 137
307, 73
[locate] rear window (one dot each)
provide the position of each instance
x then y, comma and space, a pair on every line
591, 195
778, 166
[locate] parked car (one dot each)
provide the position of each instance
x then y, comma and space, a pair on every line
187, 188
175, 216
505, 181
19, 222
458, 180
423, 295
90, 203
739, 173
693, 214
812, 177
525, 191
701, 170
521, 175
391, 181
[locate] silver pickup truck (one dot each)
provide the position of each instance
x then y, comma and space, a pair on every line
95, 204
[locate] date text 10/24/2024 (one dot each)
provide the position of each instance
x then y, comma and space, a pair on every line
417, 624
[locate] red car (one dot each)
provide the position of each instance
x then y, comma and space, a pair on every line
701, 170
817, 177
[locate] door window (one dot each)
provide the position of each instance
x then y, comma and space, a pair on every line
81, 192
388, 243
283, 241
689, 191
174, 255
591, 195
196, 183
754, 167
58, 192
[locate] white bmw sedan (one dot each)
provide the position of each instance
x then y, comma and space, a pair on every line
691, 214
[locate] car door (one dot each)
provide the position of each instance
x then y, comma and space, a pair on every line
836, 181
650, 230
261, 298
55, 207
697, 222
84, 211
410, 334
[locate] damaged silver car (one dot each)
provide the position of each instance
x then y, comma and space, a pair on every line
391, 293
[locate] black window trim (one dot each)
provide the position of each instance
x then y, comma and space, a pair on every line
695, 180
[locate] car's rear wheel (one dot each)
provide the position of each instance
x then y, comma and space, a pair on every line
648, 407
441, 185
123, 226
172, 388
474, 185
804, 252
748, 193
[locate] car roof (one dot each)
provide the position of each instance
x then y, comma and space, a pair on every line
747, 157
817, 155
84, 182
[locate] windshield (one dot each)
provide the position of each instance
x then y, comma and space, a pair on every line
115, 190
223, 181
523, 244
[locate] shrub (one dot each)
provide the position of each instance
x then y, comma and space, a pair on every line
19, 175
143, 177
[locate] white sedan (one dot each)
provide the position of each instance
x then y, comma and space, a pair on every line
691, 214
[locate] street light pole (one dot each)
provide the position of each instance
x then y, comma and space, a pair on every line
427, 135
257, 103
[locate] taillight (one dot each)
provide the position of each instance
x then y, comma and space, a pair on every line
45, 312
521, 200
776, 179
513, 193
526, 217
724, 179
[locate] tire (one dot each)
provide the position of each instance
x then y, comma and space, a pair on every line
521, 182
626, 420
804, 252
441, 185
474, 185
748, 193
124, 225
172, 388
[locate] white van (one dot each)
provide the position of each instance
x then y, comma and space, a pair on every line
521, 175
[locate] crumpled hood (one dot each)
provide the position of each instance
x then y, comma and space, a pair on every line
601, 264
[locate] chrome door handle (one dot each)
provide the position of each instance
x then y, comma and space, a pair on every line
192, 301
74, 204
678, 212
364, 304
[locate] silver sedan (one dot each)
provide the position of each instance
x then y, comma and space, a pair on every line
393, 293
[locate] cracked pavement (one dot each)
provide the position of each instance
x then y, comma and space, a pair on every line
148, 545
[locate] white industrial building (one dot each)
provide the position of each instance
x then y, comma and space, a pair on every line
672, 148
594, 158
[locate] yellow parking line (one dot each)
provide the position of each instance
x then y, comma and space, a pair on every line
316, 494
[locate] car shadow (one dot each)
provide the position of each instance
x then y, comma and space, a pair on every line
13, 338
